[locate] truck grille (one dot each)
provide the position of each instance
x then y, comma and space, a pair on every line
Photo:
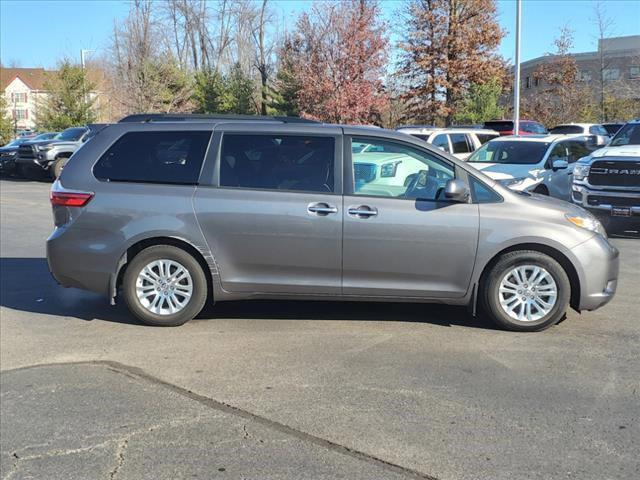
595, 200
615, 174
26, 151
364, 172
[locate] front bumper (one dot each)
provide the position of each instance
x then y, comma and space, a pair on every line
7, 164
603, 201
598, 262
41, 160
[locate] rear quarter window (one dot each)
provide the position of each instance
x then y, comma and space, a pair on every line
485, 137
155, 157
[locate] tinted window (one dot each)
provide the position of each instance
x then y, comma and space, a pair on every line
485, 137
154, 157
71, 134
460, 143
515, 152
612, 128
577, 150
397, 170
481, 193
499, 125
537, 128
627, 135
279, 162
564, 129
441, 141
597, 130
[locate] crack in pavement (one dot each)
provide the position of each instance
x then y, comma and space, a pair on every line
141, 375
122, 447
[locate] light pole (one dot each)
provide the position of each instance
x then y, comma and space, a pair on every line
516, 80
83, 53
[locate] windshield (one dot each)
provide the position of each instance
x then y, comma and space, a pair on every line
627, 135
45, 136
561, 129
17, 142
71, 134
515, 152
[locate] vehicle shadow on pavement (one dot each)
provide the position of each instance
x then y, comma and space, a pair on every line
26, 285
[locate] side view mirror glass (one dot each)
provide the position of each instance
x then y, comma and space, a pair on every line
560, 163
456, 190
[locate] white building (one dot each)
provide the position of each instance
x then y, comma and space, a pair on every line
23, 89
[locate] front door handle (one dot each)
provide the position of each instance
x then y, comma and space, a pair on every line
363, 211
321, 209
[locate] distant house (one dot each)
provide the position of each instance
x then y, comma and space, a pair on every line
24, 90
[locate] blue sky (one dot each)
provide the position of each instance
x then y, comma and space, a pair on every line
40, 32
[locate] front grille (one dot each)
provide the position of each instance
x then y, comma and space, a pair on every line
26, 151
615, 174
364, 172
596, 200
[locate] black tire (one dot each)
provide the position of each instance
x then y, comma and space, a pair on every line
56, 169
541, 190
489, 290
157, 252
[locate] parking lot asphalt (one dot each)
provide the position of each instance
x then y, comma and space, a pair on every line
304, 389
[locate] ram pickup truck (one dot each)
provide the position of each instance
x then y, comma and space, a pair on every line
607, 183
50, 156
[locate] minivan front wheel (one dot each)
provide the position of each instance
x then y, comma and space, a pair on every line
526, 291
164, 286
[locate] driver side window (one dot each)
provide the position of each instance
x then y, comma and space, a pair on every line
390, 169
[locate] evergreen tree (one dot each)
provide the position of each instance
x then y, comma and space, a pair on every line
68, 102
6, 122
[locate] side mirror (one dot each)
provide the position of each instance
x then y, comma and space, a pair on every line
457, 190
559, 164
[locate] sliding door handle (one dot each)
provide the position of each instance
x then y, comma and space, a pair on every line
321, 209
363, 211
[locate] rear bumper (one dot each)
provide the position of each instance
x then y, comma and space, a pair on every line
73, 263
599, 261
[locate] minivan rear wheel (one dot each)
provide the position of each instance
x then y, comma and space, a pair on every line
526, 291
164, 286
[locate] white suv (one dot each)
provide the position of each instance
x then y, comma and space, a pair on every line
460, 142
602, 136
535, 163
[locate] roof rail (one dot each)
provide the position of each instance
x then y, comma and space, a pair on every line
198, 117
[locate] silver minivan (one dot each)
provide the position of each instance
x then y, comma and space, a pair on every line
167, 212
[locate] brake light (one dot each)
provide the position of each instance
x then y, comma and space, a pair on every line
70, 199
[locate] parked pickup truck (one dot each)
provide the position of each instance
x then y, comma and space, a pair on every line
50, 156
607, 183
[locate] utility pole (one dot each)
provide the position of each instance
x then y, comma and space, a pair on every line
516, 81
83, 54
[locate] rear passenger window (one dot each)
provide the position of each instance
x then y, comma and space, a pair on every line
155, 157
278, 162
459, 143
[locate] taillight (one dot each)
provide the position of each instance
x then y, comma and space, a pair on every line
70, 199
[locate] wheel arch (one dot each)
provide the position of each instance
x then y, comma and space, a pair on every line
557, 255
140, 245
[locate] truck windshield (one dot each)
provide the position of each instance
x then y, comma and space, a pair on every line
71, 134
514, 152
627, 135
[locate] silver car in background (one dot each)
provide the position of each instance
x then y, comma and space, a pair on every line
167, 212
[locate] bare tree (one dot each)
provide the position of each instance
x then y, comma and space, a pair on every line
264, 50
604, 25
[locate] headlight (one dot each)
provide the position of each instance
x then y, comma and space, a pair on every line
580, 171
45, 148
587, 222
512, 182
389, 169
